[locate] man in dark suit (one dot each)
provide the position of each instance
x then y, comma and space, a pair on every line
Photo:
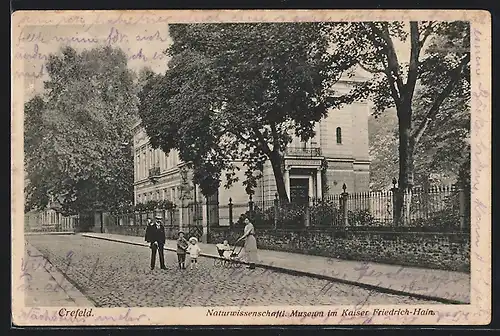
155, 235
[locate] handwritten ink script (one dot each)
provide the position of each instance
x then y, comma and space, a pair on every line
144, 39
143, 45
86, 315
481, 149
31, 264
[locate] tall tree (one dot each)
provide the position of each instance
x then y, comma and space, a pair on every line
77, 132
443, 153
441, 68
238, 92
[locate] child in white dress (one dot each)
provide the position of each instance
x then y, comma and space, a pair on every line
194, 251
224, 249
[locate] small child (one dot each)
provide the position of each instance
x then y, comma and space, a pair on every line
182, 245
225, 248
194, 251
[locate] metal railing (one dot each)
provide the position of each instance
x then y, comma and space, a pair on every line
437, 209
303, 151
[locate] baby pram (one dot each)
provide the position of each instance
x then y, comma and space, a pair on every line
229, 255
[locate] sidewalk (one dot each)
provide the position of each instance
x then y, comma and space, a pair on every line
438, 285
45, 233
45, 286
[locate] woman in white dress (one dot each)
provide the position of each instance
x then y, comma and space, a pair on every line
250, 243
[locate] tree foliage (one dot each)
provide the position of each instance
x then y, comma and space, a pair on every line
77, 130
432, 86
238, 92
442, 157
433, 81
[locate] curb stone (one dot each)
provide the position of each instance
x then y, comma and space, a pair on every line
49, 233
303, 273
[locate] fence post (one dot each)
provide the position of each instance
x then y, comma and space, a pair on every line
394, 190
250, 203
181, 220
461, 199
206, 226
230, 205
343, 204
276, 208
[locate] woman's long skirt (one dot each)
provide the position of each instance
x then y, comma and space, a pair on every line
251, 249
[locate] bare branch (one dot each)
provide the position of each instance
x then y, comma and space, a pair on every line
367, 69
427, 32
392, 58
264, 144
394, 91
431, 114
414, 62
274, 132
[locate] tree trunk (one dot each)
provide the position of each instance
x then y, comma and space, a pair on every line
405, 182
277, 163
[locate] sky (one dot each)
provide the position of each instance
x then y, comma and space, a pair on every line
144, 44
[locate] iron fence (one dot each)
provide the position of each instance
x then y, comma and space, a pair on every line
441, 208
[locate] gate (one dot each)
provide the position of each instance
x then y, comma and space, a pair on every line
195, 220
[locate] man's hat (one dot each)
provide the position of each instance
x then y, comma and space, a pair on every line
180, 232
158, 217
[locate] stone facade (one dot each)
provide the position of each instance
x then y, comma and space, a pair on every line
337, 154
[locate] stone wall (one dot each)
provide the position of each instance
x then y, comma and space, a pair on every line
448, 251
171, 232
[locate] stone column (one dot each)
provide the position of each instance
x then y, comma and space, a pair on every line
287, 181
181, 207
311, 188
204, 209
319, 190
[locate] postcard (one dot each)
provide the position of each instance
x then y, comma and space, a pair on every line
251, 167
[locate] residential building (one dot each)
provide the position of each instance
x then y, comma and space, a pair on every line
338, 154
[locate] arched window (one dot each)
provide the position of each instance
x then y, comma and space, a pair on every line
339, 135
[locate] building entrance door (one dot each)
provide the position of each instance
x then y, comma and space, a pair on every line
299, 190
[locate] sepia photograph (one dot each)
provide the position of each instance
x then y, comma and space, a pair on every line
287, 167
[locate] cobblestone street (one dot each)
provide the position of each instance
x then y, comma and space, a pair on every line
114, 274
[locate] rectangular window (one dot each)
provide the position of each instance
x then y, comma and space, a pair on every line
138, 170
